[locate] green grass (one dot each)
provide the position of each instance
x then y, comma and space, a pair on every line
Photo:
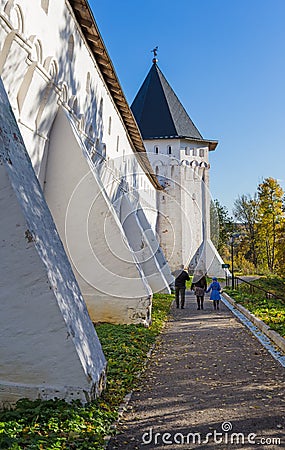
271, 311
49, 425
272, 284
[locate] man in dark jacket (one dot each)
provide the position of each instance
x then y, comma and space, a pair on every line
180, 286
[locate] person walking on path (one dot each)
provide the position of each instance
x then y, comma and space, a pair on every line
180, 286
199, 286
215, 289
193, 389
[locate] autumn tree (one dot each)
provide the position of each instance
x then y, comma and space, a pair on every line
260, 225
270, 220
222, 226
246, 213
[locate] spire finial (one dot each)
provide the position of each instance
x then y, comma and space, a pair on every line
154, 51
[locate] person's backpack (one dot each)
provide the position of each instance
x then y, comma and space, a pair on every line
199, 291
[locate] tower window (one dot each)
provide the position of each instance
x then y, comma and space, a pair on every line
169, 150
110, 125
156, 149
201, 152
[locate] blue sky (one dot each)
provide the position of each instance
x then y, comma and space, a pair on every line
225, 59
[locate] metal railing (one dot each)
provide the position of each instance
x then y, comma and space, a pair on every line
252, 288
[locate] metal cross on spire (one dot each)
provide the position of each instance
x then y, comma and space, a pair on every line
154, 51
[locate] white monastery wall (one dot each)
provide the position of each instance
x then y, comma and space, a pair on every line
48, 344
45, 65
92, 234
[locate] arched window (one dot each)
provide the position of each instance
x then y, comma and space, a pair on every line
110, 125
81, 122
90, 131
51, 67
15, 15
156, 150
118, 141
70, 47
45, 5
169, 150
36, 51
8, 7
73, 104
88, 82
101, 108
64, 93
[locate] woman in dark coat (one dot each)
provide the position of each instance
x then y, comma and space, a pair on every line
199, 286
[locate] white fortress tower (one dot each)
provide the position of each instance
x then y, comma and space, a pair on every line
179, 156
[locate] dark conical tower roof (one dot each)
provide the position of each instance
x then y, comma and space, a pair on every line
158, 111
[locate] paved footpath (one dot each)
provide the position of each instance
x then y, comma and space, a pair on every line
210, 384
